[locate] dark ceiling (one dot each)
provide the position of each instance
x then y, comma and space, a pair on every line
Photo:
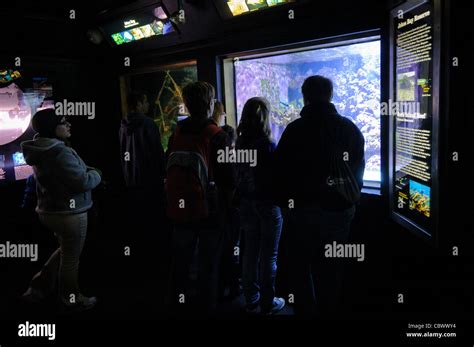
53, 9
43, 28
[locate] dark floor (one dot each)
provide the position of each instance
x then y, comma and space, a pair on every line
433, 284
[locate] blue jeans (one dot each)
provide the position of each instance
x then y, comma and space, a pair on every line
317, 281
261, 225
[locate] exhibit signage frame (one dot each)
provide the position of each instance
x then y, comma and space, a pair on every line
428, 228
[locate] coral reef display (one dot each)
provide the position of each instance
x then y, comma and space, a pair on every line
354, 70
420, 198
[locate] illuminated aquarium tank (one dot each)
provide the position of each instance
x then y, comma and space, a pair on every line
354, 70
21, 96
163, 89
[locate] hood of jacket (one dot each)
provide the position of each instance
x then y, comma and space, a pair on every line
34, 150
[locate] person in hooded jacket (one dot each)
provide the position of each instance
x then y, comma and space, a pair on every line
142, 154
63, 188
142, 158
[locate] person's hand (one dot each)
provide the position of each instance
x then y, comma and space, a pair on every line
99, 172
89, 168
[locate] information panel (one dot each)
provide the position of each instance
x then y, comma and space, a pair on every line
414, 110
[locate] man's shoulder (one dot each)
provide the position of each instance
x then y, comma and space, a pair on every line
349, 125
149, 127
139, 119
148, 122
351, 131
346, 122
298, 123
293, 132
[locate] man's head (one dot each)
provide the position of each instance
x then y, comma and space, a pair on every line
138, 102
199, 99
317, 89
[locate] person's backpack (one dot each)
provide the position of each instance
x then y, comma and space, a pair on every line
341, 186
190, 190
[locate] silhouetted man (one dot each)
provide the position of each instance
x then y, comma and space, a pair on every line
316, 216
142, 158
141, 150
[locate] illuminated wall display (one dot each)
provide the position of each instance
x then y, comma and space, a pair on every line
233, 8
146, 23
238, 7
163, 86
20, 99
414, 121
7, 76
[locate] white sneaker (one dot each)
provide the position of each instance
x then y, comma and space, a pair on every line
278, 304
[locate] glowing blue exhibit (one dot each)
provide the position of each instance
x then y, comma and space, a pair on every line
354, 70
